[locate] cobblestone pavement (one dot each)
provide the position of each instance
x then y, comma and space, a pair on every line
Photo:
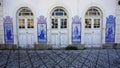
89, 58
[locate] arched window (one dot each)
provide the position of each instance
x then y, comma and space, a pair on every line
25, 18
93, 18
59, 18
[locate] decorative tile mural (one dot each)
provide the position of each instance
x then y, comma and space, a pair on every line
76, 30
42, 30
8, 30
110, 29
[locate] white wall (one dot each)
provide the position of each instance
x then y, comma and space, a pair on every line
1, 23
74, 7
117, 36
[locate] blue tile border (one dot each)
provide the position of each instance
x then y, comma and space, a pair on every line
8, 30
110, 29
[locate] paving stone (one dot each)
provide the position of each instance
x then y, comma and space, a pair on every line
90, 58
89, 63
77, 64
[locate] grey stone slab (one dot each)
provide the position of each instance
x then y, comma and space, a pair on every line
103, 58
89, 63
64, 64
12, 65
25, 64
84, 66
3, 60
77, 64
102, 64
80, 59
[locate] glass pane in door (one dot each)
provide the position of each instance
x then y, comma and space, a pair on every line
21, 23
87, 23
63, 23
96, 23
30, 23
54, 23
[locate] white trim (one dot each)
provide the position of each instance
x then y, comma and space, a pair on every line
93, 4
69, 14
15, 20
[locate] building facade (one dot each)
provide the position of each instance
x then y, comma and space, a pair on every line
59, 23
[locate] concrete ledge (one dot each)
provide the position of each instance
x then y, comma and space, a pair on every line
116, 45
8, 46
42, 46
79, 46
107, 45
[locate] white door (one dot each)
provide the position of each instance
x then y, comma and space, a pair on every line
59, 33
92, 32
26, 32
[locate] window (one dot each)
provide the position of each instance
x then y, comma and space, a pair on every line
25, 16
93, 18
21, 23
96, 23
93, 11
54, 23
63, 23
59, 12
87, 23
59, 18
30, 23
25, 12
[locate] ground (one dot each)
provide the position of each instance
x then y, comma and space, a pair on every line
89, 58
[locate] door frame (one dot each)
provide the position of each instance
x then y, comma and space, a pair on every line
92, 19
26, 28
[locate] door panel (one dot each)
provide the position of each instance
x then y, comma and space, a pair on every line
54, 40
26, 32
88, 39
93, 33
22, 40
59, 35
63, 40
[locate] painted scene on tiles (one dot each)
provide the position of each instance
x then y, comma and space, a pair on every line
8, 30
42, 33
110, 29
76, 30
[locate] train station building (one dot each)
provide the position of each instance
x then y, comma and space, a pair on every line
59, 23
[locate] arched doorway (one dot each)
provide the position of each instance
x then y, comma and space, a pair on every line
25, 27
93, 25
59, 27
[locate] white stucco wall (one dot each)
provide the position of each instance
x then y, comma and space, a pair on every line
1, 23
74, 7
117, 36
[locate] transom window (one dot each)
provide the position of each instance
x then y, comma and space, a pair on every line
25, 18
59, 12
93, 11
93, 18
25, 12
59, 18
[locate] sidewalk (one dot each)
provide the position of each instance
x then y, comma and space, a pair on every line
89, 58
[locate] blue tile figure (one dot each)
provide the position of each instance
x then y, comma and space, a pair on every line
42, 33
76, 30
9, 34
42, 30
8, 30
110, 30
76, 33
